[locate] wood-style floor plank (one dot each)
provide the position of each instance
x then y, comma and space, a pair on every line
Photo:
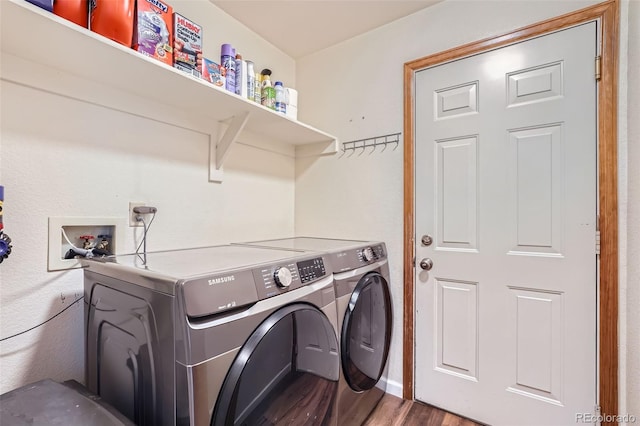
299, 403
394, 411
389, 412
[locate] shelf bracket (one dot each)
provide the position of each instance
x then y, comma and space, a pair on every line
219, 146
230, 136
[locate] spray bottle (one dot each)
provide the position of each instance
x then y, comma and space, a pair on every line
241, 76
228, 62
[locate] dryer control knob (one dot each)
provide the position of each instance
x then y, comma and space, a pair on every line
367, 254
283, 277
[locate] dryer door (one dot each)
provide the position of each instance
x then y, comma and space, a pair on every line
286, 373
366, 332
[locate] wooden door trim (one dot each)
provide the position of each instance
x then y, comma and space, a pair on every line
607, 13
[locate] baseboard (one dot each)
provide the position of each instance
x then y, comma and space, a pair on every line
391, 386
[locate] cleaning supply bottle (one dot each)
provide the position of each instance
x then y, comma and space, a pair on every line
257, 92
268, 92
113, 19
73, 10
281, 105
228, 62
241, 76
251, 81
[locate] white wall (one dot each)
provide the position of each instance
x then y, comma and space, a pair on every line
633, 216
354, 90
62, 157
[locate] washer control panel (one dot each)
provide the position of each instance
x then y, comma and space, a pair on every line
311, 269
272, 280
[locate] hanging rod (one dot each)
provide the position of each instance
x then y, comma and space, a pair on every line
373, 142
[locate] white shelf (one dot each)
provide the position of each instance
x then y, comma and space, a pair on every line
35, 35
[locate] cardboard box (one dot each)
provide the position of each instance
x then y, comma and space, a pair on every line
187, 45
213, 73
152, 30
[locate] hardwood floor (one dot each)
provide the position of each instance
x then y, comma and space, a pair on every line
394, 411
301, 399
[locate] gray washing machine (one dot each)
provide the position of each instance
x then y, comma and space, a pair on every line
224, 335
361, 274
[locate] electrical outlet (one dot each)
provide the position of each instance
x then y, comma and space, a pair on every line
132, 215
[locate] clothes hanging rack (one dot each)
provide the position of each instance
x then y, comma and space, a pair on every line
373, 143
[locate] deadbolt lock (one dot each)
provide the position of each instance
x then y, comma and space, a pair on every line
426, 240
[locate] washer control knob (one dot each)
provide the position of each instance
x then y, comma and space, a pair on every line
282, 276
367, 254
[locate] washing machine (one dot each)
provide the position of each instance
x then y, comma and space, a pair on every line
223, 335
361, 279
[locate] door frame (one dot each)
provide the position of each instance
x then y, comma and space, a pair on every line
607, 105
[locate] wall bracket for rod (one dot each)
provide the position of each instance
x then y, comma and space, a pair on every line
372, 142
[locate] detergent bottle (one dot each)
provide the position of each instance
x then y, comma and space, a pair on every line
113, 19
72, 10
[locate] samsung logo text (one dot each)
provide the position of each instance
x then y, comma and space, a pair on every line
221, 280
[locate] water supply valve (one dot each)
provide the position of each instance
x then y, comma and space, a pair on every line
102, 246
87, 244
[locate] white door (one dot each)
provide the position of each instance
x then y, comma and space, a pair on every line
506, 186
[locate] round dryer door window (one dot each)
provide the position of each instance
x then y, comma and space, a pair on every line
285, 374
366, 332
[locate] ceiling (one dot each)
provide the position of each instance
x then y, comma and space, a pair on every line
302, 27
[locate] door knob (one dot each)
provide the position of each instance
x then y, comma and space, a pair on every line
426, 240
426, 264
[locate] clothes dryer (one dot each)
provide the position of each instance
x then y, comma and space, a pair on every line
361, 279
220, 335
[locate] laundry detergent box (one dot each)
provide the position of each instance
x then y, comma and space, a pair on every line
187, 45
152, 30
213, 73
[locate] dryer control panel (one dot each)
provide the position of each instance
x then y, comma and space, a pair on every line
349, 259
371, 254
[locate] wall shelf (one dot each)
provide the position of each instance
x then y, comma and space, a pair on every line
36, 36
